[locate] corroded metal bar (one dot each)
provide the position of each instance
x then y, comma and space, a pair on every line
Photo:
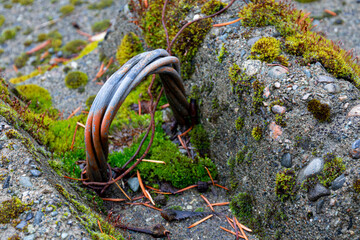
113, 94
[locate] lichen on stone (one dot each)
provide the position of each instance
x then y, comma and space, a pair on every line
130, 46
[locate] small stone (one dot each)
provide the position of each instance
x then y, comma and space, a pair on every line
314, 167
277, 72
332, 202
325, 79
27, 161
317, 192
55, 213
59, 54
242, 53
251, 67
306, 96
354, 112
49, 209
277, 85
167, 115
295, 87
275, 130
25, 181
319, 206
277, 109
338, 21
356, 144
286, 160
253, 40
38, 217
29, 216
343, 98
307, 72
266, 92
35, 173
160, 199
7, 182
134, 184
29, 237
64, 235
338, 182
31, 229
331, 88
21, 225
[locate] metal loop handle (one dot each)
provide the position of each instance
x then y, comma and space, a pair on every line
113, 94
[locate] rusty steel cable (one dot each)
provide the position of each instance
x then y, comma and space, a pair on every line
113, 94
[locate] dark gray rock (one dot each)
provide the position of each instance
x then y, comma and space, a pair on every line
286, 160
356, 144
319, 205
317, 192
29, 216
7, 182
338, 182
277, 72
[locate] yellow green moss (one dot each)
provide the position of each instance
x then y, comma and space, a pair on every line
90, 100
8, 34
2, 20
23, 2
212, 7
356, 185
100, 5
256, 133
76, 79
266, 49
101, 26
239, 123
66, 10
130, 46
241, 205
11, 209
76, 2
199, 138
306, 1
40, 97
333, 168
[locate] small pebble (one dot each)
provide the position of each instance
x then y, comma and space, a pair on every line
35, 173
286, 160
317, 192
277, 85
29, 216
325, 79
25, 181
38, 217
21, 225
277, 109
134, 184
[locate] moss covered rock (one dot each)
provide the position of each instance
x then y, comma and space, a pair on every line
76, 79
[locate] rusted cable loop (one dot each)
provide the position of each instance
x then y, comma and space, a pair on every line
113, 94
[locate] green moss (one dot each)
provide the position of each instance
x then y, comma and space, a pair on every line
73, 47
90, 100
212, 7
8, 5
257, 99
285, 184
11, 209
76, 2
8, 34
76, 79
309, 183
28, 43
239, 80
241, 205
266, 49
21, 60
40, 97
66, 10
1, 51
27, 31
100, 5
279, 119
23, 2
101, 26
356, 185
60, 134
256, 133
222, 53
333, 168
2, 20
239, 123
199, 138
320, 111
130, 46
179, 170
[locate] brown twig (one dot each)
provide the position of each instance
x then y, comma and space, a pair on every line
200, 221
